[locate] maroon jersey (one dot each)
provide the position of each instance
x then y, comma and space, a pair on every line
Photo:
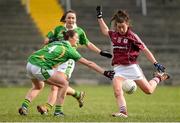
126, 48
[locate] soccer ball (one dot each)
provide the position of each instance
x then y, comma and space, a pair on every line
129, 86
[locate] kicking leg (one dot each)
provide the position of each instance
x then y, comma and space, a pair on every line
149, 87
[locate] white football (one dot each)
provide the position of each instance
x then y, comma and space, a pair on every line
129, 86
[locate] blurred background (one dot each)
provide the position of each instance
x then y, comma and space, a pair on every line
24, 24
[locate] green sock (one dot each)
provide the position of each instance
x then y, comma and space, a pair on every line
26, 103
48, 106
58, 108
76, 94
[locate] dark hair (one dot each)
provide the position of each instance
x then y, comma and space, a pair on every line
120, 16
65, 14
68, 34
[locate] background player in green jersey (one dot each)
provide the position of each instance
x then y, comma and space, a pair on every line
41, 67
67, 68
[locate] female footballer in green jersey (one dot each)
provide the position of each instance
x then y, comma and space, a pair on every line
67, 68
41, 67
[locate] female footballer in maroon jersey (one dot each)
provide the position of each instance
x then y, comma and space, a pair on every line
126, 48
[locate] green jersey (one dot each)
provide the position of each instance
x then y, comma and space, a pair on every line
57, 35
54, 54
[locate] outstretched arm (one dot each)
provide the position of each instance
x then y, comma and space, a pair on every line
97, 68
151, 58
94, 48
91, 65
149, 55
104, 28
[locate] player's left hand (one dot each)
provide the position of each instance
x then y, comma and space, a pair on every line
109, 74
159, 67
105, 54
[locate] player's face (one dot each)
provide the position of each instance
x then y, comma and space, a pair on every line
122, 27
70, 19
74, 39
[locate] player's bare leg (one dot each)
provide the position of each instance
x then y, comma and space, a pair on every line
62, 84
149, 87
37, 86
45, 108
120, 99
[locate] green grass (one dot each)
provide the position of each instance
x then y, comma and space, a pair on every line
163, 105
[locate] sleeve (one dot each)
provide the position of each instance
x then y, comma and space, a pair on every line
112, 35
83, 40
75, 54
52, 33
139, 43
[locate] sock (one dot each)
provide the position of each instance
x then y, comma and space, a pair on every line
26, 103
157, 79
123, 110
58, 108
76, 94
48, 106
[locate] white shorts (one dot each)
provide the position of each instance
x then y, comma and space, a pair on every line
132, 72
67, 67
35, 72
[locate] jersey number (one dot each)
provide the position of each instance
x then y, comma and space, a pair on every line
51, 49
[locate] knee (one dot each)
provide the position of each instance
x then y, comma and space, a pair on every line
39, 86
65, 84
54, 88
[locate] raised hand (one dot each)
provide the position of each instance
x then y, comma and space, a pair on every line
99, 11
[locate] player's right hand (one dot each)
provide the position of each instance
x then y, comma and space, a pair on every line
99, 11
109, 74
159, 67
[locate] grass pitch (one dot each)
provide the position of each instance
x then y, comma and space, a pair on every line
162, 106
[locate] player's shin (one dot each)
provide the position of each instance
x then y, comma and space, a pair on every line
60, 100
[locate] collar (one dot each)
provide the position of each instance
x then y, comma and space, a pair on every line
74, 26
